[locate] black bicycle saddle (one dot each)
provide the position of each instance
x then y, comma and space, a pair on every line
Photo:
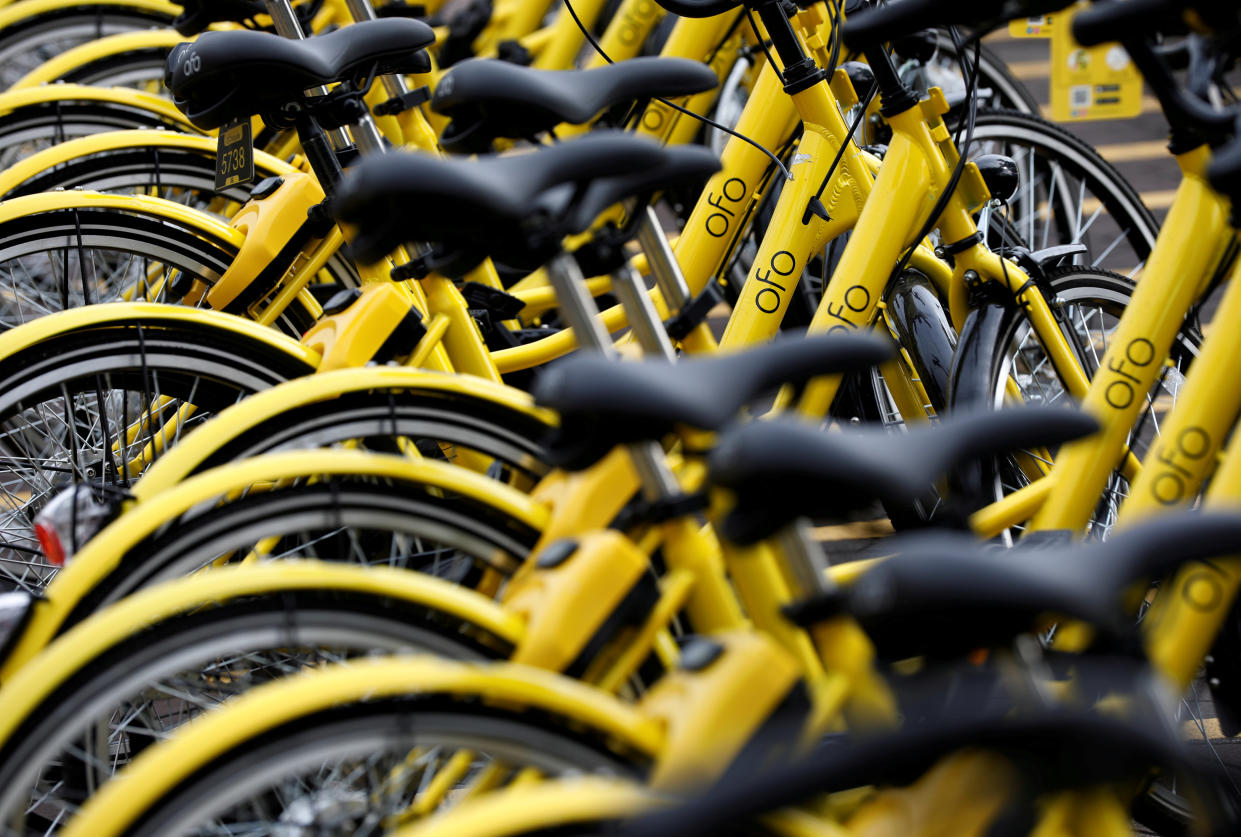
943, 593
515, 207
223, 76
785, 469
604, 403
487, 98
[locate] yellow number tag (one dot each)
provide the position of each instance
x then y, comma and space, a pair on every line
1097, 82
1032, 27
234, 160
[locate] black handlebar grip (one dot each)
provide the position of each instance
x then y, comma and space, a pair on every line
878, 24
1115, 20
699, 8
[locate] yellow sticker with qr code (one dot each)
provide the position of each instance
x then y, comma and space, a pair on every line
1031, 27
1098, 82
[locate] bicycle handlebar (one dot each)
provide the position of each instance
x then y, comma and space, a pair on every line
877, 24
698, 8
1115, 20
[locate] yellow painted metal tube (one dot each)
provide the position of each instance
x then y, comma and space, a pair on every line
1190, 610
563, 39
627, 31
1192, 435
727, 200
894, 210
1135, 354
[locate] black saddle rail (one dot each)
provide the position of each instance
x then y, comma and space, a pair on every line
514, 208
1049, 750
785, 469
488, 99
602, 403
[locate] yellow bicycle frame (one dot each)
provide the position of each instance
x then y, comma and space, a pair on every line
1175, 274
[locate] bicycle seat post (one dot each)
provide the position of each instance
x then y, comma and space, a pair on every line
663, 262
629, 288
579, 312
365, 131
806, 560
393, 83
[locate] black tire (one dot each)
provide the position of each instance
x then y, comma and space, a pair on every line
166, 172
66, 258
439, 422
140, 68
33, 127
94, 373
387, 522
1007, 92
997, 341
139, 690
254, 776
31, 40
1057, 169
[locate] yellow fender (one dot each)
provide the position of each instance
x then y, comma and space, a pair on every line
162, 108
95, 316
188, 455
265, 165
179, 214
77, 648
104, 552
170, 762
57, 68
13, 11
555, 803
579, 800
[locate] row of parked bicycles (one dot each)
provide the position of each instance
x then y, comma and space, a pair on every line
371, 463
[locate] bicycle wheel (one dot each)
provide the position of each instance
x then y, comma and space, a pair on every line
141, 68
169, 165
1068, 193
998, 88
440, 424
88, 250
358, 766
141, 689
30, 36
34, 120
1003, 348
362, 519
66, 400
